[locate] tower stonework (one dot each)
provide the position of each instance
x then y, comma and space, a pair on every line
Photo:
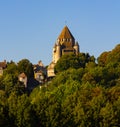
65, 44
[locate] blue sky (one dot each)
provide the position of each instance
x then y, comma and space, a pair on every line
29, 28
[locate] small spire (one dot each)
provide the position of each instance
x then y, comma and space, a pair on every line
76, 43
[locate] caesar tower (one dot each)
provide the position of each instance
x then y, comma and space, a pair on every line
65, 44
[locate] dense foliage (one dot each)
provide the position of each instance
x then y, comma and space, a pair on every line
73, 61
84, 94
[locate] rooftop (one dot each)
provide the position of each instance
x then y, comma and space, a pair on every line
66, 34
3, 64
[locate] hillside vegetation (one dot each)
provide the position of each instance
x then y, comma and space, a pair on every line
84, 93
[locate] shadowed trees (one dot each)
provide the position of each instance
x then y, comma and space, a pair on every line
73, 61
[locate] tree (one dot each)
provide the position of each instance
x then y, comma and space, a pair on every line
11, 69
102, 58
114, 55
68, 75
66, 62
110, 56
25, 66
73, 61
4, 117
21, 112
9, 81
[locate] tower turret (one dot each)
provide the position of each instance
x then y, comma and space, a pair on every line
76, 47
58, 51
53, 53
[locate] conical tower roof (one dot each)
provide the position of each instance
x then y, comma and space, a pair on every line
66, 34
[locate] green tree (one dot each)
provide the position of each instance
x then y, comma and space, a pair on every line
68, 75
25, 114
25, 66
110, 57
114, 55
2, 87
21, 112
9, 78
11, 69
103, 58
73, 61
66, 62
9, 82
4, 117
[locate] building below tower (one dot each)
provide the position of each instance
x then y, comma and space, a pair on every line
65, 44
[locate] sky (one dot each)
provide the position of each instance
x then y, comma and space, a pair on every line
29, 28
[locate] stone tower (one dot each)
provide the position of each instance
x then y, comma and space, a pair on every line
65, 44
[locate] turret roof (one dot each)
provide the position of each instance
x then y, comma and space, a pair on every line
66, 34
